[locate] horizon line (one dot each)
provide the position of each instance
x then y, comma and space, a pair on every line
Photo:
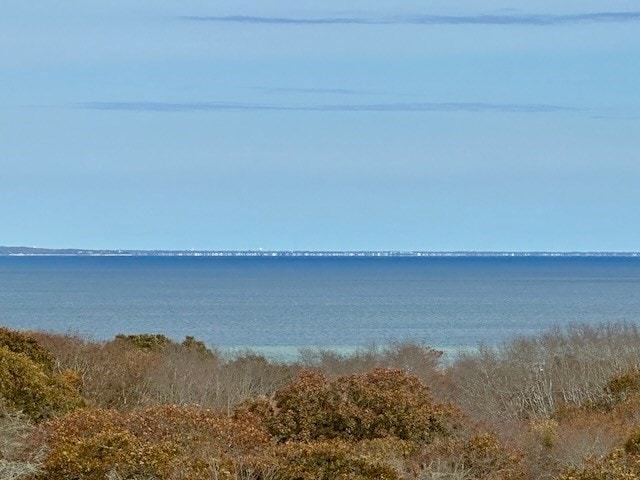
71, 251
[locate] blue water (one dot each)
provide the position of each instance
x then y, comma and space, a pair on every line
275, 304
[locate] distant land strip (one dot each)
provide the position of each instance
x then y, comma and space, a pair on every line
73, 252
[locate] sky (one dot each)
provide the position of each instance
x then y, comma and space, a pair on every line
334, 125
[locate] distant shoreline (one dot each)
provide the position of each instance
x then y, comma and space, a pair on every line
70, 252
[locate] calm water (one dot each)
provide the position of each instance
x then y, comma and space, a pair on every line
281, 303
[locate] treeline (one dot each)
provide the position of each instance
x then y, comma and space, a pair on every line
562, 405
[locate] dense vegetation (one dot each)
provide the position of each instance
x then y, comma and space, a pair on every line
563, 405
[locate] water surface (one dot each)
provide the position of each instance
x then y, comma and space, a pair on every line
279, 304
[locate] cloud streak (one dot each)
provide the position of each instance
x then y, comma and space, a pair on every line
479, 19
453, 107
329, 91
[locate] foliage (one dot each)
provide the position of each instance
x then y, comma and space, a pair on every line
192, 344
145, 341
565, 404
632, 445
623, 385
157, 442
19, 342
476, 456
486, 458
377, 404
26, 386
619, 465
115, 374
142, 370
329, 460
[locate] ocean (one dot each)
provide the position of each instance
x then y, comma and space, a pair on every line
277, 305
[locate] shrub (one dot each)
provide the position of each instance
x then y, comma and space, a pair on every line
486, 458
145, 341
69, 352
378, 404
468, 457
19, 342
329, 460
531, 377
189, 374
618, 465
27, 387
250, 376
182, 375
108, 374
191, 344
413, 358
568, 440
142, 370
159, 442
115, 374
91, 444
623, 385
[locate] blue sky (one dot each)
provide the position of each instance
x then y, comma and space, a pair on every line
431, 125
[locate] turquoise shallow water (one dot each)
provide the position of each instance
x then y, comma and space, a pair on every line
279, 304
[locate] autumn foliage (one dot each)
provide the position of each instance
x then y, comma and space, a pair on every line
157, 442
378, 404
563, 405
27, 381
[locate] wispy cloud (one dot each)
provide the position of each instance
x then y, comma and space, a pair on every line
477, 19
468, 107
629, 116
329, 91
